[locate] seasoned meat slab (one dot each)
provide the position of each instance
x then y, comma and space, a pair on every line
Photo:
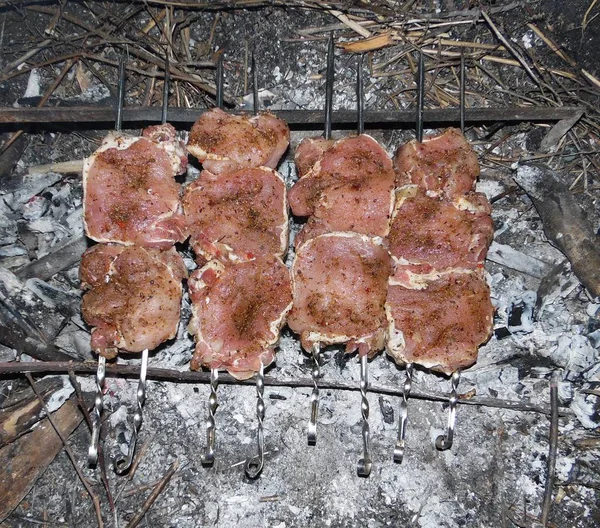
130, 195
238, 215
238, 311
441, 324
133, 298
339, 282
441, 165
224, 142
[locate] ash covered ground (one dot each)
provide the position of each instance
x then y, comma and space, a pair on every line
495, 473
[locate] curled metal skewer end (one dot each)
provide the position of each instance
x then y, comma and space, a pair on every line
365, 464
208, 458
92, 458
360, 96
256, 99
403, 416
444, 442
314, 398
329, 80
165, 101
122, 465
120, 95
420, 96
219, 83
254, 465
462, 90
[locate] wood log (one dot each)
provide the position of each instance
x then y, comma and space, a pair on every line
565, 223
25, 460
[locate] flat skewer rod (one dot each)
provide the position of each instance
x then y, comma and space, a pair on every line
208, 458
314, 397
403, 416
122, 465
329, 80
444, 441
365, 464
97, 413
120, 95
420, 96
462, 90
165, 101
255, 98
254, 465
360, 96
219, 82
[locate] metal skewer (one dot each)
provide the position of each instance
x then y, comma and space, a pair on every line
97, 413
420, 96
462, 90
219, 82
360, 96
329, 79
254, 465
254, 84
403, 416
208, 458
444, 442
365, 464
314, 397
165, 101
122, 465
101, 372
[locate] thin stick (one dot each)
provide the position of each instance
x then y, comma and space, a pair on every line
509, 47
165, 101
154, 495
360, 97
552, 452
70, 453
255, 98
420, 97
329, 79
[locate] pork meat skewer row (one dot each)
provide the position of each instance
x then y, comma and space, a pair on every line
96, 415
316, 348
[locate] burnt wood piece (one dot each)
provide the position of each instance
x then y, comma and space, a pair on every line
15, 338
565, 223
23, 461
62, 257
22, 409
344, 119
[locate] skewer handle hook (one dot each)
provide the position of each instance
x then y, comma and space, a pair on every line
254, 465
97, 414
444, 442
403, 416
208, 458
365, 464
314, 398
122, 465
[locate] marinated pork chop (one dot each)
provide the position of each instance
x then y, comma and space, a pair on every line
238, 215
134, 296
441, 165
224, 142
351, 188
130, 195
431, 233
309, 151
339, 282
238, 310
441, 325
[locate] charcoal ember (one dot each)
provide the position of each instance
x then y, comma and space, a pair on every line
520, 313
576, 355
35, 208
8, 225
30, 187
587, 410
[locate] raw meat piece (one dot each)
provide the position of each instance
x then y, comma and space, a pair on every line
339, 282
238, 310
134, 296
224, 142
441, 324
238, 215
432, 233
130, 195
441, 165
350, 189
309, 151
